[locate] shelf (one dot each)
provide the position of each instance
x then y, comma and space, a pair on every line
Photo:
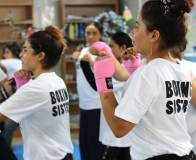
70, 82
30, 22
25, 22
77, 40
77, 21
6, 41
73, 103
69, 60
16, 3
85, 8
92, 2
18, 13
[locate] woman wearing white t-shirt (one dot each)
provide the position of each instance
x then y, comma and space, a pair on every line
5, 92
114, 148
11, 61
155, 113
191, 114
3, 76
41, 106
7, 87
89, 101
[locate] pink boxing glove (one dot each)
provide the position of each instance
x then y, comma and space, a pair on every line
101, 46
20, 81
132, 65
103, 71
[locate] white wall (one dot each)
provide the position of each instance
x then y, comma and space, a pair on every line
133, 5
192, 32
46, 12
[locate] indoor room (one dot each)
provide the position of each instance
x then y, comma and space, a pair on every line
67, 69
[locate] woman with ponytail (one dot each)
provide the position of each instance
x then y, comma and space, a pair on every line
155, 113
41, 104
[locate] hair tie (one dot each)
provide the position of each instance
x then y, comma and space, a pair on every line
167, 6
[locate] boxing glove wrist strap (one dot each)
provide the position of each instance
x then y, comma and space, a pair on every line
104, 84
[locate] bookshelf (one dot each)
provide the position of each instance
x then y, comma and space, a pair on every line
79, 12
15, 17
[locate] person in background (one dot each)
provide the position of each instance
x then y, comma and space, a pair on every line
11, 60
41, 104
5, 91
89, 101
190, 117
117, 148
155, 96
8, 127
191, 114
6, 152
11, 63
114, 148
3, 75
120, 43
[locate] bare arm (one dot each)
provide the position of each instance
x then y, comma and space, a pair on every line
121, 72
2, 118
193, 93
5, 84
119, 126
75, 55
8, 88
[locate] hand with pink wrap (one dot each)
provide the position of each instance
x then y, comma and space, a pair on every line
99, 47
132, 65
103, 69
21, 77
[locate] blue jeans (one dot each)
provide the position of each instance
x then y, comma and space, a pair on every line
8, 131
6, 152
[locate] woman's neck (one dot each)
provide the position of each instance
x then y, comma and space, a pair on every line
162, 54
37, 72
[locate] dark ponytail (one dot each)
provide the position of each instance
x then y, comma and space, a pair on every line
167, 16
51, 42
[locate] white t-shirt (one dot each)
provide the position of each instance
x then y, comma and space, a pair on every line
41, 108
2, 75
11, 65
191, 119
106, 135
88, 97
160, 124
190, 66
191, 114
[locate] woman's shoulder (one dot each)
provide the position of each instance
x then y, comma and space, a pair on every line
151, 69
45, 80
159, 64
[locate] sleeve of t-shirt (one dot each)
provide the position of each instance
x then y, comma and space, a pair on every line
2, 75
118, 89
194, 71
138, 97
23, 103
83, 52
191, 66
86, 68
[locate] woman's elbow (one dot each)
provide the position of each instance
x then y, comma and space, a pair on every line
122, 129
119, 134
